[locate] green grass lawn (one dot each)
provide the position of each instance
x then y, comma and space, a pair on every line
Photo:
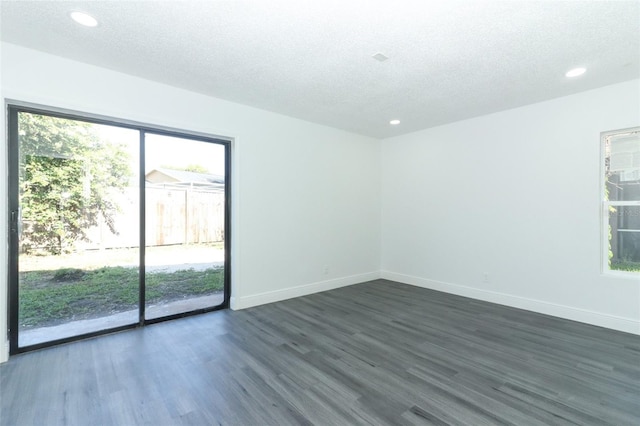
54, 297
626, 266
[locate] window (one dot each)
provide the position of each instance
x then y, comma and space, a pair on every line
621, 201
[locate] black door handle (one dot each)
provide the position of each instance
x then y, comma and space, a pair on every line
14, 221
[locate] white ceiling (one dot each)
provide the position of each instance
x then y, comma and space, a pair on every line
311, 59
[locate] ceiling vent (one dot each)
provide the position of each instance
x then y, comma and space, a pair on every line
380, 57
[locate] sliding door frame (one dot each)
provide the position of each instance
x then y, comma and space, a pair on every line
13, 108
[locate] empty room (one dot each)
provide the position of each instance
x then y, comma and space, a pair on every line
355, 212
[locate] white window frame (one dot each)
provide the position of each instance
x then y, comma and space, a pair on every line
606, 204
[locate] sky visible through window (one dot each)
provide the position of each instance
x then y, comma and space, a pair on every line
162, 151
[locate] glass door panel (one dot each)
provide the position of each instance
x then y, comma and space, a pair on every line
77, 226
184, 225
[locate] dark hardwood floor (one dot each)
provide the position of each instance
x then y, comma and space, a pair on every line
378, 353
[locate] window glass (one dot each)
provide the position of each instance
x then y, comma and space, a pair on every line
622, 201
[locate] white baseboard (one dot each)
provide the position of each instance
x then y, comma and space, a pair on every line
628, 325
244, 302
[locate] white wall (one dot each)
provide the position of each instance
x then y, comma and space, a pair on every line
514, 194
304, 195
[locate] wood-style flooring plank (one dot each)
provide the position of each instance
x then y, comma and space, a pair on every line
377, 353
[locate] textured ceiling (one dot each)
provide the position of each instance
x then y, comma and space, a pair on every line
448, 60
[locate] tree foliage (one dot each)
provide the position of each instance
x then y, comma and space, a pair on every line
69, 178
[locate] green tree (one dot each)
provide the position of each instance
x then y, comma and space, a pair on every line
69, 180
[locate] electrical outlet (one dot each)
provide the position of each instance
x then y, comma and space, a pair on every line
485, 277
325, 270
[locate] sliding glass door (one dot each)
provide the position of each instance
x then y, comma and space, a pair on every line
112, 226
185, 238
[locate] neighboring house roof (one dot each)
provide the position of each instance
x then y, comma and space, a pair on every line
162, 175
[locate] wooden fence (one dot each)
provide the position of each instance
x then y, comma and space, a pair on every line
173, 216
178, 216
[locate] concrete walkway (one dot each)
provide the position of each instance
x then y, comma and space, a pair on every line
155, 257
182, 266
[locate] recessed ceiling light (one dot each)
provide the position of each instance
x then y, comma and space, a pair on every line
84, 19
394, 122
575, 72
